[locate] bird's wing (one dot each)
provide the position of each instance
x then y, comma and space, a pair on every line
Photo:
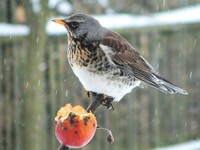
131, 63
123, 53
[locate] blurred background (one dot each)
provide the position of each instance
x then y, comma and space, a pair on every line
36, 80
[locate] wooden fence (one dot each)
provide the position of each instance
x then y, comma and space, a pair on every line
36, 80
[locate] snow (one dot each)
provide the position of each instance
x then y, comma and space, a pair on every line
36, 6
62, 6
185, 15
191, 145
65, 8
180, 16
123, 21
53, 3
104, 3
13, 30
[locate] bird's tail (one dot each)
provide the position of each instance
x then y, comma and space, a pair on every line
166, 86
156, 81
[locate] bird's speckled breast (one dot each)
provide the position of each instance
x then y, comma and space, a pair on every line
95, 71
89, 56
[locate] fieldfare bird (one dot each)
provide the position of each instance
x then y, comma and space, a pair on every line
105, 62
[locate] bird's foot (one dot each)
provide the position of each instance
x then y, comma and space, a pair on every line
107, 101
103, 99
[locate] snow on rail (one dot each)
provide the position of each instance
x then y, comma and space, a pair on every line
191, 145
185, 15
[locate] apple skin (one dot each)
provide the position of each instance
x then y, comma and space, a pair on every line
74, 127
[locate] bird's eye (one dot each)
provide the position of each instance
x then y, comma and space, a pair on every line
74, 24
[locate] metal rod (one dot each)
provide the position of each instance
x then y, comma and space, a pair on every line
63, 147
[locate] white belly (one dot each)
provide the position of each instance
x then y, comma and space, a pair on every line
101, 84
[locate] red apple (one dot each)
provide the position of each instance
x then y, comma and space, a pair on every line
74, 127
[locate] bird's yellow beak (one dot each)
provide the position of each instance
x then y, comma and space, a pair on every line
59, 21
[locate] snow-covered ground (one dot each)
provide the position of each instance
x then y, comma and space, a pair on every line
185, 15
192, 145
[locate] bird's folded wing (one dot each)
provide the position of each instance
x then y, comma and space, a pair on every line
123, 53
131, 63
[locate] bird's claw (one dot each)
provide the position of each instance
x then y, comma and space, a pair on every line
108, 103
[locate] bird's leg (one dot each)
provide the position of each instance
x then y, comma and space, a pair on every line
97, 101
104, 101
91, 94
108, 102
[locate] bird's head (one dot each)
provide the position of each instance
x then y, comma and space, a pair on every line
79, 25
